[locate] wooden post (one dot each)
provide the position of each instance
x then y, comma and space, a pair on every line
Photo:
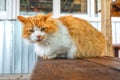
106, 26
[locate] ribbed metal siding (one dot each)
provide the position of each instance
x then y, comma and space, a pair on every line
15, 55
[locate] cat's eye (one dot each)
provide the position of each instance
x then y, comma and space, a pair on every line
31, 30
43, 29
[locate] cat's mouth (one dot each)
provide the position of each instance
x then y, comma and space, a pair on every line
38, 40
41, 39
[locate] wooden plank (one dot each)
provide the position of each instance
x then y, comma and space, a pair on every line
106, 26
14, 77
109, 62
116, 59
78, 69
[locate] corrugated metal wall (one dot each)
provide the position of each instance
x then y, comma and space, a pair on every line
17, 57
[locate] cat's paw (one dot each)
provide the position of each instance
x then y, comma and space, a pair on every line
49, 57
45, 57
52, 56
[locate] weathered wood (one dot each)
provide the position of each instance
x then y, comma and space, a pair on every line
106, 26
77, 69
106, 62
14, 77
115, 59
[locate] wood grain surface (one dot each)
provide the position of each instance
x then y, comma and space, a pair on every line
105, 68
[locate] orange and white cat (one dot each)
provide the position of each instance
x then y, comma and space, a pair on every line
67, 35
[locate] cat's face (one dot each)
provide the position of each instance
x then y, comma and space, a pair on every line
38, 28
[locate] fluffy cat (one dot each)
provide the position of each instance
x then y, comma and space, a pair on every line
67, 35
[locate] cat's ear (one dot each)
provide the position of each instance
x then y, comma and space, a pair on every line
22, 19
47, 16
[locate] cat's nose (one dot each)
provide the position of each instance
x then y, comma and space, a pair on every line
38, 36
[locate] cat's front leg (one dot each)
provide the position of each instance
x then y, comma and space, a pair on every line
45, 53
71, 52
52, 56
44, 57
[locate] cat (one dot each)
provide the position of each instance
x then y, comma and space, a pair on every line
66, 35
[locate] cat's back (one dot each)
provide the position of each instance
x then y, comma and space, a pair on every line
89, 41
79, 26
75, 22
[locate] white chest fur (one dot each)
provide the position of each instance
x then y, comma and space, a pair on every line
58, 43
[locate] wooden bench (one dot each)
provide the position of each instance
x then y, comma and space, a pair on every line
104, 68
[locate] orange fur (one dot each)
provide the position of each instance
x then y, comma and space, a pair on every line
89, 41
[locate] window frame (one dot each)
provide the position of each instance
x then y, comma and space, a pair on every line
12, 10
13, 6
90, 16
57, 10
3, 12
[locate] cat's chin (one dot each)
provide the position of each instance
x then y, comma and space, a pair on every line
39, 42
